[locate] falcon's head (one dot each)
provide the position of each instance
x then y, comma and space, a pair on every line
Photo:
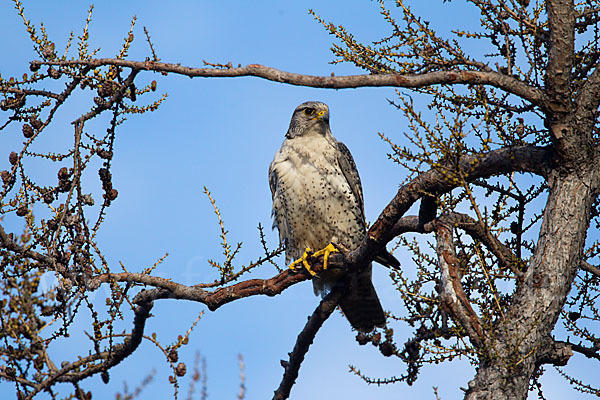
309, 117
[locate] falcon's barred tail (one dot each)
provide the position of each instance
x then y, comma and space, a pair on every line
361, 305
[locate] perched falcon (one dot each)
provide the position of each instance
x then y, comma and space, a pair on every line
318, 200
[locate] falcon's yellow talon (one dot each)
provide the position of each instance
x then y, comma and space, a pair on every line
330, 248
308, 253
302, 260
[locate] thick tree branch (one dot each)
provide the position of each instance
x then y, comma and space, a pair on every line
453, 297
168, 289
212, 299
592, 269
561, 21
589, 352
410, 223
517, 159
554, 352
496, 79
305, 339
31, 92
570, 138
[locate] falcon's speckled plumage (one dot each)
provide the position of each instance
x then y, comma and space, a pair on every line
317, 200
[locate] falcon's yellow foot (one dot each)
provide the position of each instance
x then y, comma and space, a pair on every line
302, 260
330, 248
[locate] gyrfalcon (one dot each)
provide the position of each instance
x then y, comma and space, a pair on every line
317, 201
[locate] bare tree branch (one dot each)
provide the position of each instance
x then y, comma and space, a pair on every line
213, 300
523, 159
592, 269
32, 92
70, 373
561, 20
589, 352
555, 352
305, 339
452, 294
496, 79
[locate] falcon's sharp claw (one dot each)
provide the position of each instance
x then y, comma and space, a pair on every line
302, 260
330, 248
326, 252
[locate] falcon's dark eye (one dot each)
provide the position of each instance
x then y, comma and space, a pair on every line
309, 111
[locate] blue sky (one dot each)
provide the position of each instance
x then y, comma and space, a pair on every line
222, 134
